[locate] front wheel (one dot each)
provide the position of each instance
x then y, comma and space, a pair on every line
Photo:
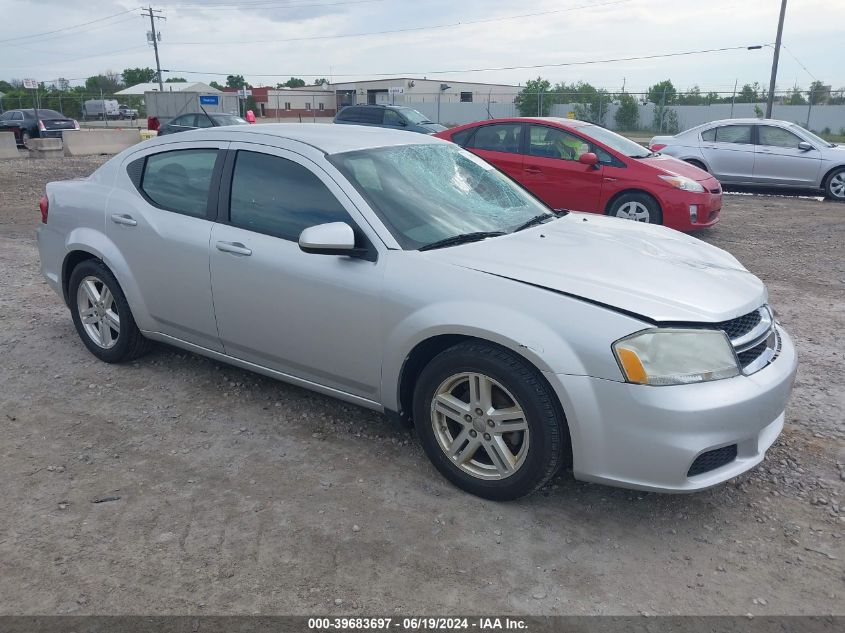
101, 314
639, 207
835, 186
488, 421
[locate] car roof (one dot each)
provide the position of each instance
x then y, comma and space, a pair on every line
378, 105
560, 121
325, 137
749, 120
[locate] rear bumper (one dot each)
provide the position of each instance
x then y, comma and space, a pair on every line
647, 438
676, 205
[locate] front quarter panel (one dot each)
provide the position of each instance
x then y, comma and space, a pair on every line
425, 298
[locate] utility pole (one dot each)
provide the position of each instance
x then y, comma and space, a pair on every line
151, 13
771, 99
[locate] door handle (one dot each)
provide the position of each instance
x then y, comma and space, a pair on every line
236, 248
126, 220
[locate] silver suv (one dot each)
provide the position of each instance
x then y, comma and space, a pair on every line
401, 273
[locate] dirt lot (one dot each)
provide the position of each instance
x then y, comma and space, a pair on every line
242, 495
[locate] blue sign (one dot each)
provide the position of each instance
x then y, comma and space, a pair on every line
209, 100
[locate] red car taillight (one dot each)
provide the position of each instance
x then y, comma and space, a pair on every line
41, 126
44, 206
656, 147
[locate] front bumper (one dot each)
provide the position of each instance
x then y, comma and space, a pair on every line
647, 438
676, 203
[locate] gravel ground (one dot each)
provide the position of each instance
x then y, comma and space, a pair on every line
235, 494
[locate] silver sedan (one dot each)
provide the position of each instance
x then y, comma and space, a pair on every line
401, 273
761, 153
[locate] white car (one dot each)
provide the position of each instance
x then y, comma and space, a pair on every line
404, 274
761, 153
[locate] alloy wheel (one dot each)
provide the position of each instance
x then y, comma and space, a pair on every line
98, 312
633, 210
480, 426
837, 185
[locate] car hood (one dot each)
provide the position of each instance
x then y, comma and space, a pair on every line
432, 128
670, 164
642, 269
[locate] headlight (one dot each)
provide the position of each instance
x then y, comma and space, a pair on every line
682, 182
676, 356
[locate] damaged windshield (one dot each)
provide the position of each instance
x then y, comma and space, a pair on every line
428, 193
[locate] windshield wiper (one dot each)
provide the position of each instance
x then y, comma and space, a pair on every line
461, 239
537, 219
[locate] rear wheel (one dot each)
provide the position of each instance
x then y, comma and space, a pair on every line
639, 207
101, 314
25, 138
834, 187
488, 421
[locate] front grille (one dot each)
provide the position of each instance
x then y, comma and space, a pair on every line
740, 326
711, 460
750, 355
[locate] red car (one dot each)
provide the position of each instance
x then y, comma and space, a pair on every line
583, 167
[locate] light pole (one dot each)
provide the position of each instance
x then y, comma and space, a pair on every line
440, 92
771, 100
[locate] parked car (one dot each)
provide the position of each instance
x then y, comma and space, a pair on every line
40, 123
761, 153
193, 121
101, 109
125, 112
396, 117
580, 166
404, 274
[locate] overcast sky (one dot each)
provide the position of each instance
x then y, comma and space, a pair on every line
270, 37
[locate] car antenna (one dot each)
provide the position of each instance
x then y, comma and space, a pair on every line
213, 123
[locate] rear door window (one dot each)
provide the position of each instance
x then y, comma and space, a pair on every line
740, 134
498, 137
278, 197
180, 180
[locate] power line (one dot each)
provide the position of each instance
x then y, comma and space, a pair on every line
241, 6
67, 28
783, 46
480, 70
404, 30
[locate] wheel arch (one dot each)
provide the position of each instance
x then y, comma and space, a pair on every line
619, 194
71, 261
829, 173
426, 350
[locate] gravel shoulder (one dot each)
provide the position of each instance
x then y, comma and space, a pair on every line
236, 494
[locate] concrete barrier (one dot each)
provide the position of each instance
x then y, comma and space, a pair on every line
90, 142
8, 145
44, 147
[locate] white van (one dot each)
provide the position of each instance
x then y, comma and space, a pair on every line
101, 109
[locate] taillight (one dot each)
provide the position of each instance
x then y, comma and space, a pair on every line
41, 126
44, 206
656, 147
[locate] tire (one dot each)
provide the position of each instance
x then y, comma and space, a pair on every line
25, 137
640, 207
534, 450
112, 340
834, 186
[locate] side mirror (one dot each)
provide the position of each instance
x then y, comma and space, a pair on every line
334, 238
804, 146
588, 158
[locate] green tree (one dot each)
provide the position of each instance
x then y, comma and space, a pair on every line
533, 99
176, 80
235, 81
294, 82
692, 96
819, 93
796, 97
627, 116
662, 93
216, 85
135, 76
322, 81
109, 82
